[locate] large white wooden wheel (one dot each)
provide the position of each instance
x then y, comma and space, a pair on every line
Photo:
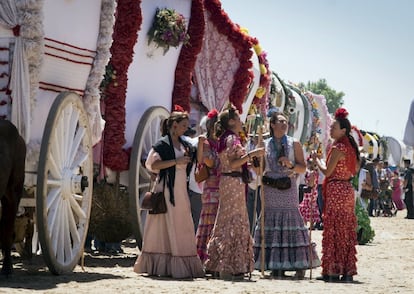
147, 133
64, 184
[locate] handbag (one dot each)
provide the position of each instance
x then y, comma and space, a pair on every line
153, 201
201, 173
282, 183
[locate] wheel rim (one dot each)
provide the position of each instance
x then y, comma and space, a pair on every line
63, 202
147, 133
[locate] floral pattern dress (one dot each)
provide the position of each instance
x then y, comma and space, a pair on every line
340, 224
209, 200
309, 207
286, 238
230, 249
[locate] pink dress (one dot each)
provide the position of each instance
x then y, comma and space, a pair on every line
309, 207
396, 193
169, 247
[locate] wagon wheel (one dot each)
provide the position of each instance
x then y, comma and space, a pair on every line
147, 133
64, 183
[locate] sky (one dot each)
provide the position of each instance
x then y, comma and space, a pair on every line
364, 48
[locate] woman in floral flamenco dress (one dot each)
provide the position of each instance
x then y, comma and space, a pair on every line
339, 238
309, 207
230, 249
207, 154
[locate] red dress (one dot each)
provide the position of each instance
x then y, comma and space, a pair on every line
339, 220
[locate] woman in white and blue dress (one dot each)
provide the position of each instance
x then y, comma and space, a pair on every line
287, 244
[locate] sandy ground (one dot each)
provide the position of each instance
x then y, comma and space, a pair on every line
384, 266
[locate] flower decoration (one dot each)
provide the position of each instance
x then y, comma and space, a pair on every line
168, 29
341, 113
212, 113
178, 108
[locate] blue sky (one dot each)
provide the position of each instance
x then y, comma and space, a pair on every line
364, 48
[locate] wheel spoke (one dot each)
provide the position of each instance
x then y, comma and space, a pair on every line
53, 168
81, 158
75, 144
52, 197
76, 208
73, 229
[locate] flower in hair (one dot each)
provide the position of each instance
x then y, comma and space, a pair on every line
178, 108
341, 113
271, 110
212, 113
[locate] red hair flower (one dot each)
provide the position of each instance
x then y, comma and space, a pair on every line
212, 113
178, 108
341, 113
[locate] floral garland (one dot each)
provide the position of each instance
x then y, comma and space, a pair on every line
127, 24
188, 57
168, 29
242, 44
264, 86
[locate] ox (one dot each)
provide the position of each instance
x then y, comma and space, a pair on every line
12, 165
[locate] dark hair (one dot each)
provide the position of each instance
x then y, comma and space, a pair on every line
274, 118
344, 123
175, 116
210, 123
224, 117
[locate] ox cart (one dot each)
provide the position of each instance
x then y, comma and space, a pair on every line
54, 55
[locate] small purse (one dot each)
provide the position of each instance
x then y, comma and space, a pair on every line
153, 201
283, 183
201, 173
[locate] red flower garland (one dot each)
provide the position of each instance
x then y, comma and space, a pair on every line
188, 57
127, 24
242, 44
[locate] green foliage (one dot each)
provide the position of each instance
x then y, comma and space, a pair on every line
363, 223
333, 98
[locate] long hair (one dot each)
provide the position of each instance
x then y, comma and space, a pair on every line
274, 118
176, 116
224, 117
341, 116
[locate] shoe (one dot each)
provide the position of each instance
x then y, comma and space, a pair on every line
299, 275
328, 278
278, 274
347, 279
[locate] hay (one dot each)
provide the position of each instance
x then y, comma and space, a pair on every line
110, 218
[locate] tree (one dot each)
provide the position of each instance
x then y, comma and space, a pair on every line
333, 98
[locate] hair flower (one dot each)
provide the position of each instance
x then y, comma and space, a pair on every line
212, 113
178, 108
341, 113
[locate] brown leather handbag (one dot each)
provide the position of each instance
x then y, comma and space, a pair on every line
153, 201
201, 172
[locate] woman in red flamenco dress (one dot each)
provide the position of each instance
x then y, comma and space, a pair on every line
339, 238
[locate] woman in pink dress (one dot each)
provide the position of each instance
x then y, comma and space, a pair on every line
309, 207
169, 247
230, 249
397, 191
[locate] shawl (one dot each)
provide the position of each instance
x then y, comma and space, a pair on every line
165, 149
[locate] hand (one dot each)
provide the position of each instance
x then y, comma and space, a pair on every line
258, 152
183, 160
